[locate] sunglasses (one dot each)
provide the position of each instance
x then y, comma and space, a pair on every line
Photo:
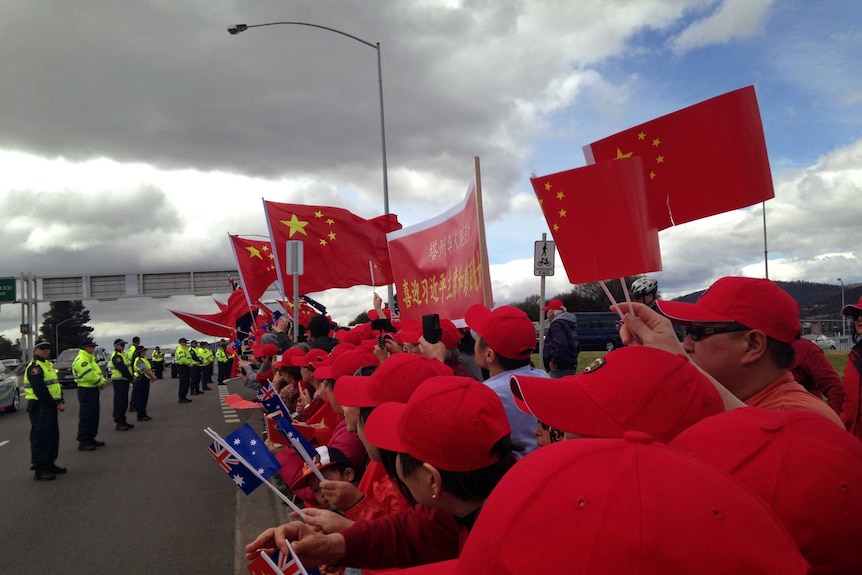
698, 332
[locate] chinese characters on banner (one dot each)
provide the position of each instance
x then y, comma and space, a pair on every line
436, 263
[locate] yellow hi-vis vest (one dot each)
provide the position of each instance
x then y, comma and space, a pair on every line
51, 380
115, 373
86, 371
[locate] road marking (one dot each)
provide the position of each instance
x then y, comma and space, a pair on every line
229, 413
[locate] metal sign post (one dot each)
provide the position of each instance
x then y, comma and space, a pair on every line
544, 256
295, 265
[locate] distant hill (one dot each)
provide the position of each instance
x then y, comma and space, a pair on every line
816, 300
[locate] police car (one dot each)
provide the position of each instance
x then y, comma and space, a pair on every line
10, 396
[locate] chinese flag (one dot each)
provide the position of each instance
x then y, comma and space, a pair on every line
597, 216
337, 246
215, 324
699, 161
256, 264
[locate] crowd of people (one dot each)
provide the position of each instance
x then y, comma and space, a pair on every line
703, 455
718, 453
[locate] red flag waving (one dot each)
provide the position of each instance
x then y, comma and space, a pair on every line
337, 245
702, 160
215, 324
256, 264
598, 218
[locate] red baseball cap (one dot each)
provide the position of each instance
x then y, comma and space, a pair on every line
410, 331
451, 334
326, 457
266, 350
630, 389
507, 330
625, 505
752, 302
346, 364
395, 380
553, 304
312, 358
450, 422
852, 309
804, 466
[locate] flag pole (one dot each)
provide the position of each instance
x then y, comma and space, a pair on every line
765, 251
483, 244
218, 439
305, 457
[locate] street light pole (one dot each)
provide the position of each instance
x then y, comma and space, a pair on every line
57, 334
843, 317
376, 46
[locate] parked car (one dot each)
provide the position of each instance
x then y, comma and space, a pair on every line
822, 341
597, 331
10, 395
11, 363
63, 366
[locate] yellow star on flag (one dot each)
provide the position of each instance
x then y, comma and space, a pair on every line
322, 242
562, 213
331, 235
253, 252
330, 221
621, 155
318, 214
547, 186
560, 195
295, 225
641, 136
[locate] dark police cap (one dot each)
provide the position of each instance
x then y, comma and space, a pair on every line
182, 340
120, 341
87, 343
42, 344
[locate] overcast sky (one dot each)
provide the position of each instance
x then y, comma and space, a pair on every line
134, 135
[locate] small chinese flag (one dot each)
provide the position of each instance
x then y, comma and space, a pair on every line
702, 160
337, 246
597, 216
256, 264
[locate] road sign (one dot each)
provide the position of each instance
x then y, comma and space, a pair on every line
7, 290
543, 259
295, 258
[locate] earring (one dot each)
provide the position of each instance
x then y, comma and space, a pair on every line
434, 495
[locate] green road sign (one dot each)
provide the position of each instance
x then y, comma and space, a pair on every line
7, 290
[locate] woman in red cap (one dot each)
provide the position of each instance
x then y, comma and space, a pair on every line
850, 413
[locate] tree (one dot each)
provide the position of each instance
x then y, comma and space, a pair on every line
8, 349
70, 317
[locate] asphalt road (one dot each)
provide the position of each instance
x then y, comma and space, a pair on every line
151, 501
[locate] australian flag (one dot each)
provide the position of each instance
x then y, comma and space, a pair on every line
291, 433
270, 399
247, 444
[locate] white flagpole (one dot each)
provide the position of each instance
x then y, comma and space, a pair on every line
217, 438
614, 303
306, 458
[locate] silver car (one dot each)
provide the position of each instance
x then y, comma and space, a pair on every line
10, 396
822, 341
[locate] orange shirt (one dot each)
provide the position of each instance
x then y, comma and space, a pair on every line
785, 393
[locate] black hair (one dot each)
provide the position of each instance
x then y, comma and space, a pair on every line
781, 353
853, 317
507, 363
319, 326
470, 485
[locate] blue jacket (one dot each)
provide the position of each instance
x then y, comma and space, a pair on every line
561, 342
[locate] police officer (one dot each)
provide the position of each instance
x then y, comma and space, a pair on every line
207, 360
158, 362
44, 399
143, 376
130, 353
88, 377
183, 361
223, 362
121, 376
195, 370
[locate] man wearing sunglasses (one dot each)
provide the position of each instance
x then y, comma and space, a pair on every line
740, 332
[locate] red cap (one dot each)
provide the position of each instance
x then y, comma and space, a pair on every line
267, 350
630, 389
312, 358
451, 334
553, 304
346, 364
622, 506
410, 331
450, 422
354, 335
395, 380
507, 330
754, 303
804, 466
326, 457
852, 309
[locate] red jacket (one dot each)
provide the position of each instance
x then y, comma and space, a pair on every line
850, 414
811, 368
415, 536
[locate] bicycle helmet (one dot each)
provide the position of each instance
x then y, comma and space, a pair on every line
644, 286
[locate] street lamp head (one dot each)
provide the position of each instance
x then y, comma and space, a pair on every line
237, 29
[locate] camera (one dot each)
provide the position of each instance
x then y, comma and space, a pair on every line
431, 328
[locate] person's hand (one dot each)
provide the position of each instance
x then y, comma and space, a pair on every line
340, 495
61, 406
649, 328
552, 366
377, 302
324, 520
313, 548
379, 353
433, 350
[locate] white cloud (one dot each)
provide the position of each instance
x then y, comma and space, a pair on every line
731, 20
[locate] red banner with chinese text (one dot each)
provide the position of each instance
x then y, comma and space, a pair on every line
436, 263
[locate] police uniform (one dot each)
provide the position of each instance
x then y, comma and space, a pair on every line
183, 361
223, 363
121, 376
158, 362
142, 372
88, 377
44, 397
195, 371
